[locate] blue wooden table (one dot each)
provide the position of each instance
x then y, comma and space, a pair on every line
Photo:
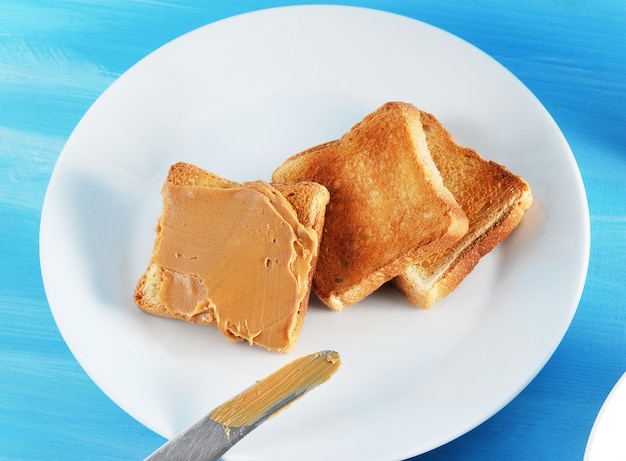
57, 57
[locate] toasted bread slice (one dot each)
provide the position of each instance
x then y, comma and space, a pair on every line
251, 309
494, 200
388, 204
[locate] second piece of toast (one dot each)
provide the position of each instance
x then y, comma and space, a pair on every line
388, 204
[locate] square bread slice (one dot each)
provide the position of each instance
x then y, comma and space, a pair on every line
240, 256
388, 203
494, 200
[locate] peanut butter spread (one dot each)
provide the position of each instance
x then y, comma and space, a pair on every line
284, 385
234, 256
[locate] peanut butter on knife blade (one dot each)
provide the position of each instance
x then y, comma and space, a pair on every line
294, 379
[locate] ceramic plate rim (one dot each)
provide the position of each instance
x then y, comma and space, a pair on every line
605, 442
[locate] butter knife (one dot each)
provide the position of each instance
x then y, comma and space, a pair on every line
223, 427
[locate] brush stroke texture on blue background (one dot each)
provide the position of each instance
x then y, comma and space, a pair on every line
56, 57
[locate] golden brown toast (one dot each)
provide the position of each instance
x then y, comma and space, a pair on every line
388, 204
307, 202
494, 201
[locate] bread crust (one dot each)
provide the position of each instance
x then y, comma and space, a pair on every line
308, 200
493, 198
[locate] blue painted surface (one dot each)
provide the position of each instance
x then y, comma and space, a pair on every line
57, 57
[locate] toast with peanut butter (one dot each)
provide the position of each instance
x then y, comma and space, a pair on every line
494, 200
237, 255
388, 206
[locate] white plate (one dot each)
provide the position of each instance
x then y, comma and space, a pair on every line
607, 441
237, 97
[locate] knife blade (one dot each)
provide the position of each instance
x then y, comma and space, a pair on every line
214, 434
